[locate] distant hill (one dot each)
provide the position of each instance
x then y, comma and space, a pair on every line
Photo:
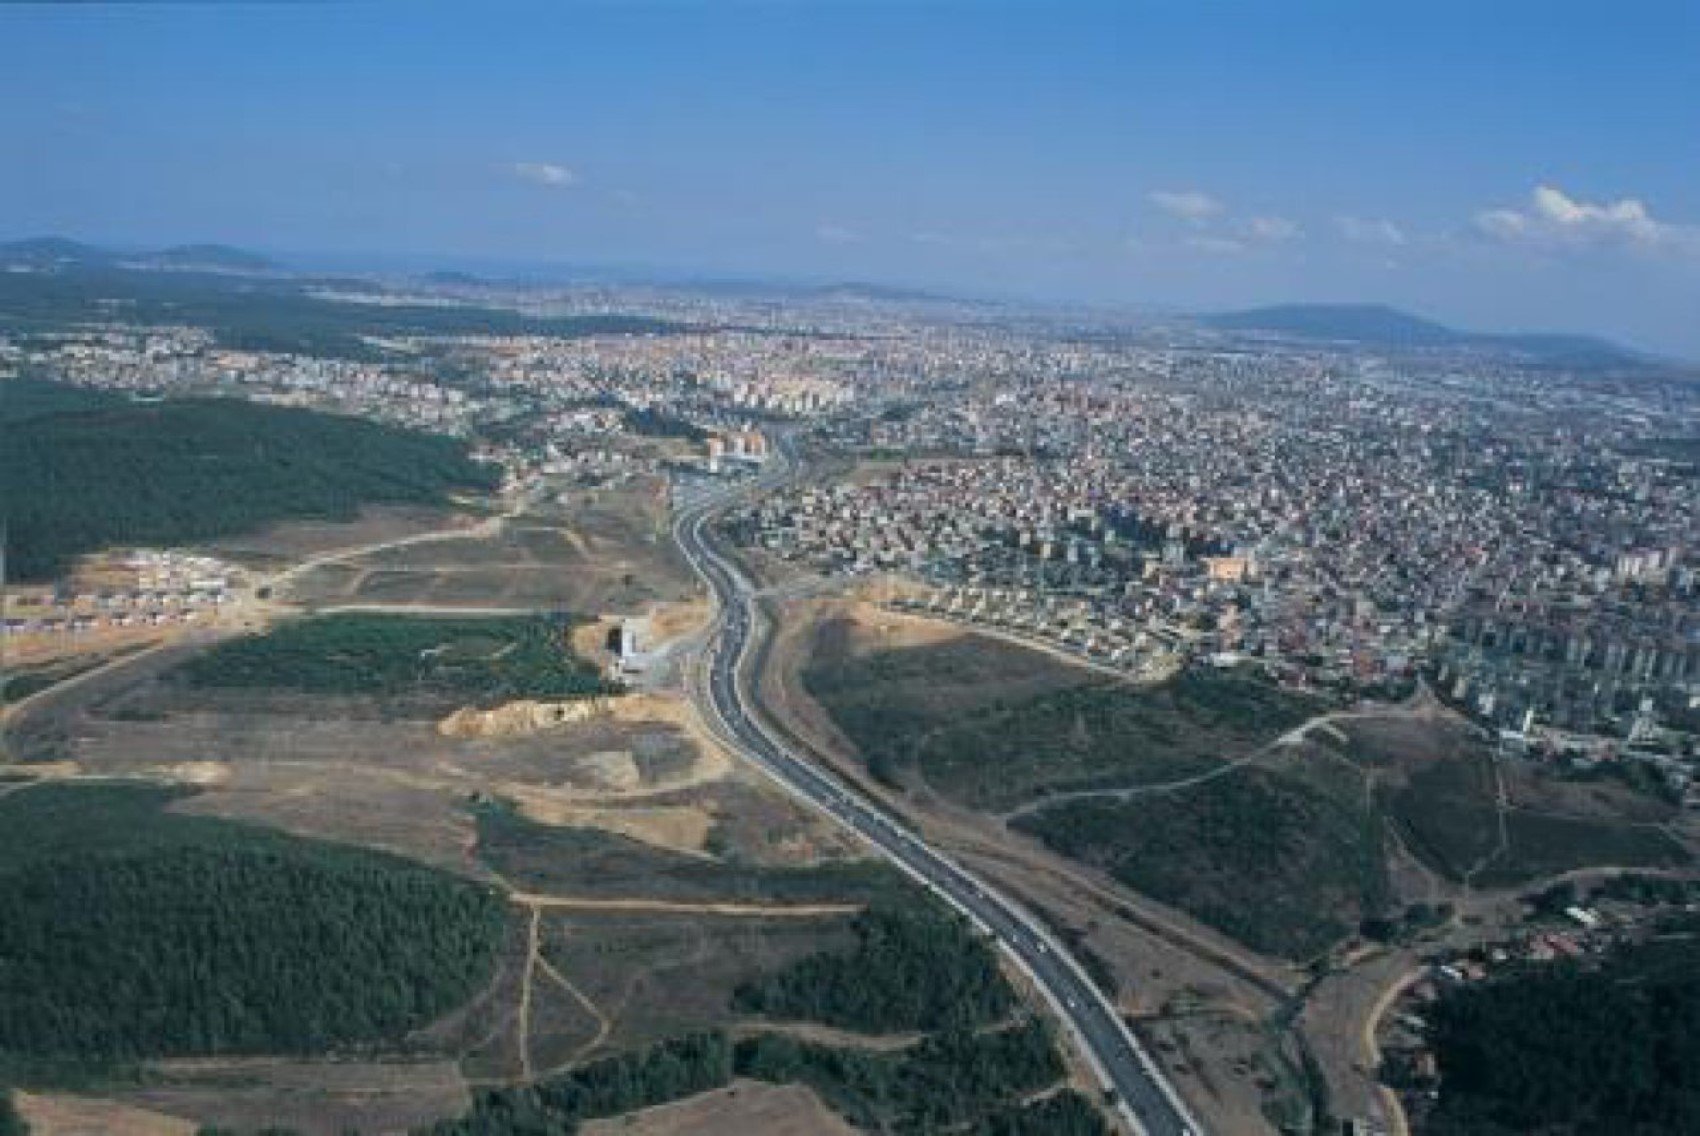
1382, 326
886, 293
61, 252
209, 258
45, 252
452, 276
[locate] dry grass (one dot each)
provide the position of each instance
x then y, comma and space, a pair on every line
65, 1115
750, 1108
315, 1098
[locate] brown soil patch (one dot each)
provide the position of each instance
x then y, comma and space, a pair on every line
752, 1108
315, 1098
56, 1115
670, 620
876, 629
590, 640
515, 719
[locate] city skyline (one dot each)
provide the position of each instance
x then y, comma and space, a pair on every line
1523, 169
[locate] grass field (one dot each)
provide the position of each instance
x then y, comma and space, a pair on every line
597, 550
1444, 800
994, 727
587, 862
654, 976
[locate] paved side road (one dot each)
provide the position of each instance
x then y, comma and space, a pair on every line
1143, 1096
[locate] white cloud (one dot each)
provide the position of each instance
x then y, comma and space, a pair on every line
837, 235
1555, 220
1225, 246
1192, 205
545, 173
1371, 230
1271, 230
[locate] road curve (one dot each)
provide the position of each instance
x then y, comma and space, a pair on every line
1142, 1095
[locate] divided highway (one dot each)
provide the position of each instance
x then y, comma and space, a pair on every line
1142, 1095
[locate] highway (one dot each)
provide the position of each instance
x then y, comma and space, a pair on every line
1143, 1097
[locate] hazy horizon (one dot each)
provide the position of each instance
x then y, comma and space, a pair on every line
1510, 170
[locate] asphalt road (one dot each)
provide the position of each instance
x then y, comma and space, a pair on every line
1143, 1097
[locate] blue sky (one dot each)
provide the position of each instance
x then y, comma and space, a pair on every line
1498, 164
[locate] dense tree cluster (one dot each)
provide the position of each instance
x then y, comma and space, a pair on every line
913, 967
659, 424
943, 1083
667, 1071
485, 660
1063, 1113
174, 472
195, 936
11, 1124
1572, 1050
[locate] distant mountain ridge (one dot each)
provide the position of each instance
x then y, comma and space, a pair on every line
209, 257
58, 252
1383, 326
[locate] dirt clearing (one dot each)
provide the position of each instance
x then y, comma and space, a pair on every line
751, 1108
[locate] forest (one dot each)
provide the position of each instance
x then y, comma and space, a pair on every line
165, 935
959, 1081
84, 477
484, 660
948, 1081
666, 1071
1574, 1049
11, 1124
913, 968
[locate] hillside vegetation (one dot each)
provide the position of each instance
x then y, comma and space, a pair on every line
949, 1082
1265, 857
996, 727
913, 968
132, 932
464, 659
1571, 1050
955, 1082
666, 1071
81, 472
280, 315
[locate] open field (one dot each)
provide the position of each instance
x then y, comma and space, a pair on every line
600, 550
381, 769
652, 976
314, 1098
589, 863
61, 1114
1493, 822
994, 726
753, 1108
278, 546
